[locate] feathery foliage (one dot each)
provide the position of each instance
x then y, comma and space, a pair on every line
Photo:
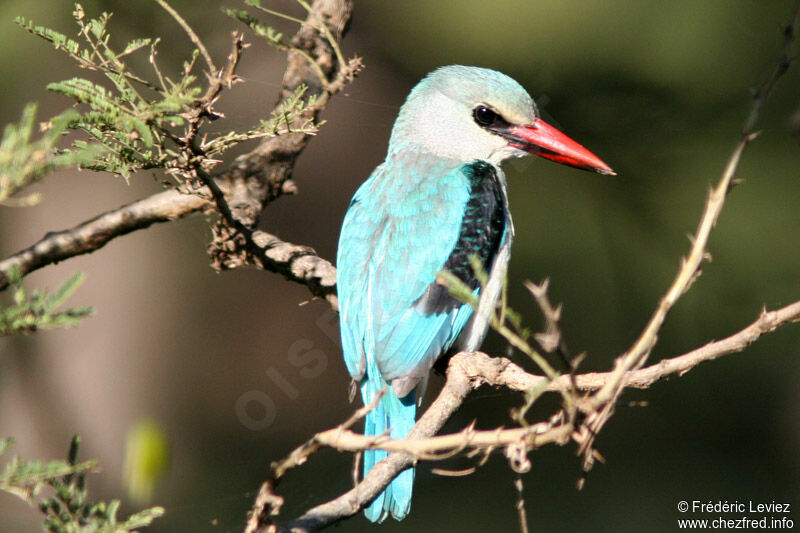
148, 124
69, 509
130, 124
131, 117
22, 161
29, 313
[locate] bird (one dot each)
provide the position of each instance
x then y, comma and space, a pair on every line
438, 200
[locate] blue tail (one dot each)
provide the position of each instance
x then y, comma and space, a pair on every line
395, 415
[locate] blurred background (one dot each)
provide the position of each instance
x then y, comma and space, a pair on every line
221, 362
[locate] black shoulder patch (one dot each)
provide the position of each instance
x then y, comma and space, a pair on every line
482, 228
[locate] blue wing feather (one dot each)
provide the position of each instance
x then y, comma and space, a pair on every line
395, 240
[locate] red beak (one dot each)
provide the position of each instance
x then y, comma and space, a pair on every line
544, 140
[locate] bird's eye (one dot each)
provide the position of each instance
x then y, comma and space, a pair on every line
484, 116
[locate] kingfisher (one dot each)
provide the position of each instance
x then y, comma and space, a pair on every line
438, 200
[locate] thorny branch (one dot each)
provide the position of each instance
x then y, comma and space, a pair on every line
253, 180
265, 173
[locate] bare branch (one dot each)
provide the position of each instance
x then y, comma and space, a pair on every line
767, 322
445, 446
267, 502
501, 372
295, 262
468, 371
95, 233
451, 397
522, 515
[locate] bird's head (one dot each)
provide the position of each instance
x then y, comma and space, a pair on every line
469, 113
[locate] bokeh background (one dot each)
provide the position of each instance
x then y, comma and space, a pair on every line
659, 90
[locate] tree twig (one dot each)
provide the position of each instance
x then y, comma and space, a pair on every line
93, 234
192, 35
600, 407
521, 513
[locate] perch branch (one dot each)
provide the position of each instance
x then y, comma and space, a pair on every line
468, 371
455, 390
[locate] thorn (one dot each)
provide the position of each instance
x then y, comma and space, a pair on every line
578, 359
540, 289
752, 136
353, 389
289, 187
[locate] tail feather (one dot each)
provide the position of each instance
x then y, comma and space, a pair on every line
395, 415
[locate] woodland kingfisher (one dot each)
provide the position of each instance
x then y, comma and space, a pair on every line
438, 200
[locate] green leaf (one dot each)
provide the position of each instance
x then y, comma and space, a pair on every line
30, 313
65, 291
25, 479
144, 132
59, 40
135, 45
69, 509
24, 161
268, 33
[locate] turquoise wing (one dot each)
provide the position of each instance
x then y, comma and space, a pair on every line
397, 235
